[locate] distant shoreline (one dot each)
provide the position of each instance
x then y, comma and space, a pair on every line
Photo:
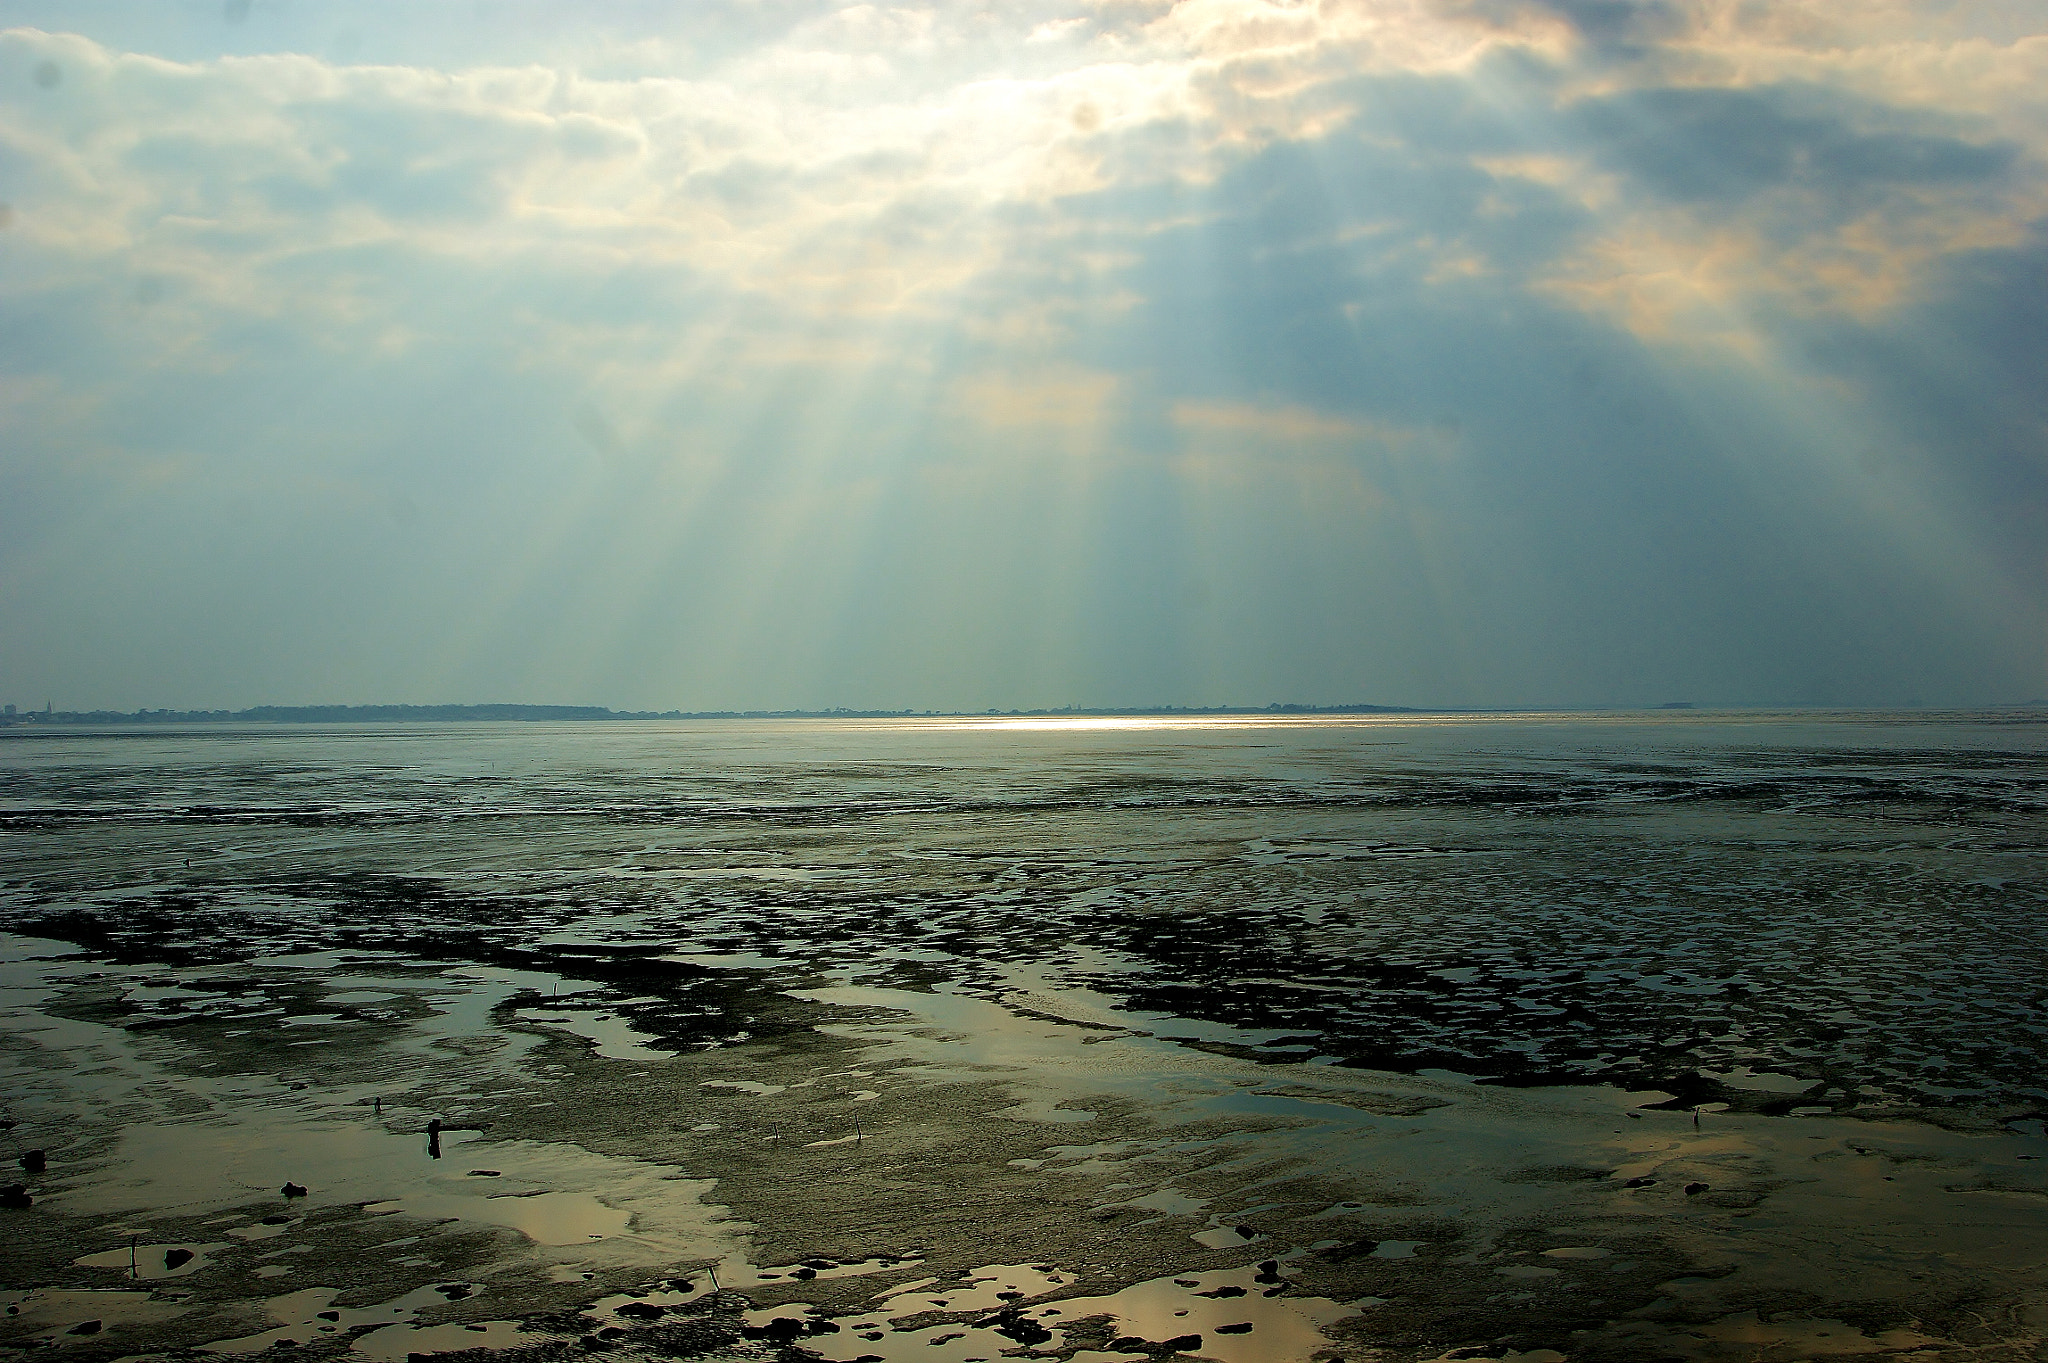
446, 714
442, 714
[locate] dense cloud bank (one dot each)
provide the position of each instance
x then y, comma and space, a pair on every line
807, 355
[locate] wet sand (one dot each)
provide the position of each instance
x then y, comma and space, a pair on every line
924, 1171
683, 1089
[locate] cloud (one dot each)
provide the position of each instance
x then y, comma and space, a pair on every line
1072, 401
1281, 424
1670, 331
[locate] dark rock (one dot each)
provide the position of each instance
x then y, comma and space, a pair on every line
1223, 1292
1639, 1183
640, 1310
1243, 1327
1695, 1189
34, 1161
15, 1197
177, 1258
1023, 1331
84, 1327
293, 1190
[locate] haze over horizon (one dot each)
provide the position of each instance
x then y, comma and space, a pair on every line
798, 355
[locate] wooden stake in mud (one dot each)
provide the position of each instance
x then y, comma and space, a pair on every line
133, 1272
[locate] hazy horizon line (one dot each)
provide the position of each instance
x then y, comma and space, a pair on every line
456, 712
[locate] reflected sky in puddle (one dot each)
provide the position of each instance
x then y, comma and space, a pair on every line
1241, 1316
154, 1263
188, 1144
610, 1035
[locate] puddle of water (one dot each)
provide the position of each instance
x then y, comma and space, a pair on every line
1283, 1329
1226, 1237
877, 1334
759, 1090
254, 1133
307, 1314
610, 1036
735, 960
555, 1194
1042, 1110
267, 1229
1237, 1322
61, 1310
985, 1289
1746, 1078
150, 1263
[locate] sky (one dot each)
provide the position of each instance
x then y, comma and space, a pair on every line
793, 354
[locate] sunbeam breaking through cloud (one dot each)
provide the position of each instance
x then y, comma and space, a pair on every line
1450, 352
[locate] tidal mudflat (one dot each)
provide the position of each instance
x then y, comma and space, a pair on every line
1254, 1040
